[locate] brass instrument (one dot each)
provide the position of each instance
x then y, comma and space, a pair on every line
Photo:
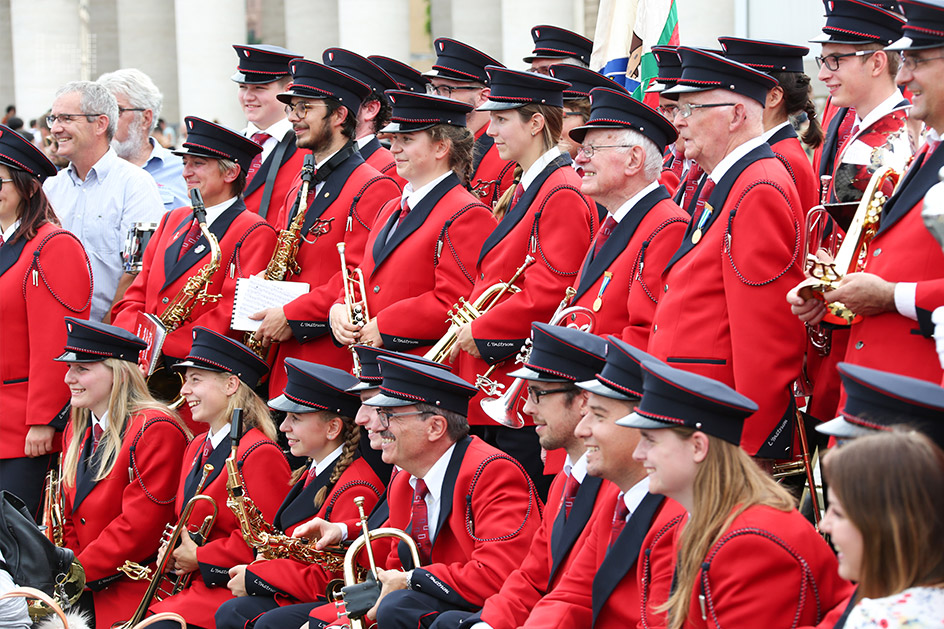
257, 532
355, 300
284, 256
360, 594
166, 385
502, 409
54, 505
466, 312
164, 584
853, 250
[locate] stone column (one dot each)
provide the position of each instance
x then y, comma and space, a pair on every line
104, 34
311, 26
147, 41
206, 32
475, 23
518, 16
7, 89
375, 27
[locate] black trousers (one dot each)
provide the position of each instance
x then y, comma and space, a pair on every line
25, 478
261, 612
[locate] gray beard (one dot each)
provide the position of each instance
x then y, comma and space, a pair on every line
137, 137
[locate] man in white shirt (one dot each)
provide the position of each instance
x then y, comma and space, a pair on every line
98, 197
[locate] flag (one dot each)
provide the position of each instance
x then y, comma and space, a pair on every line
625, 33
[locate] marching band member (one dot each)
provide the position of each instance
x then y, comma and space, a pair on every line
678, 173
262, 73
215, 162
791, 96
343, 200
435, 219
123, 451
44, 276
319, 425
470, 508
744, 555
620, 153
868, 128
407, 77
219, 378
560, 357
884, 519
612, 554
719, 313
554, 45
459, 73
374, 112
901, 283
548, 219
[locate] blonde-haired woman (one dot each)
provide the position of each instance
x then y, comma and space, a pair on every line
219, 376
120, 465
886, 522
744, 557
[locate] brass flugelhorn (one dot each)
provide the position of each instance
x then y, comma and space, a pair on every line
502, 409
355, 300
359, 594
164, 584
465, 312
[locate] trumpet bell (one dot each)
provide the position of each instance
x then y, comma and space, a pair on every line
504, 409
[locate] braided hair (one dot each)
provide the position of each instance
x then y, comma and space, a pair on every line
350, 436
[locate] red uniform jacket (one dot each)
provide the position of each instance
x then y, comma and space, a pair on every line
265, 476
623, 283
290, 165
671, 170
292, 581
904, 251
417, 273
350, 196
770, 568
42, 280
553, 551
723, 312
553, 223
117, 519
483, 531
380, 157
491, 175
789, 151
246, 243
613, 599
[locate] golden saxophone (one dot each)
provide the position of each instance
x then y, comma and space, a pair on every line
466, 312
163, 384
162, 584
284, 257
355, 301
259, 534
852, 252
361, 587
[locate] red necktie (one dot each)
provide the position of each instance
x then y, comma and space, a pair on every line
193, 235
519, 191
606, 230
619, 520
691, 184
702, 200
97, 432
310, 476
258, 138
1, 240
570, 492
420, 522
678, 164
207, 451
404, 209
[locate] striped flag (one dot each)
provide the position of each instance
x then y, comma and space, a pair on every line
625, 34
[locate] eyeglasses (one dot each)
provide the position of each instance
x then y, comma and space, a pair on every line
668, 111
832, 61
122, 110
64, 118
447, 90
590, 149
301, 108
688, 109
535, 395
385, 416
912, 62
3, 181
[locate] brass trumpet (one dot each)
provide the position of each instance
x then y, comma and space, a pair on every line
355, 300
465, 312
163, 585
502, 409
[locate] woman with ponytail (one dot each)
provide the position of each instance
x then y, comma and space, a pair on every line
791, 98
120, 468
543, 216
319, 425
744, 556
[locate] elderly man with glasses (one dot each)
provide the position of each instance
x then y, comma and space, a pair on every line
99, 196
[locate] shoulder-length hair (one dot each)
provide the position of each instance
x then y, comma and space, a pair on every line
35, 209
